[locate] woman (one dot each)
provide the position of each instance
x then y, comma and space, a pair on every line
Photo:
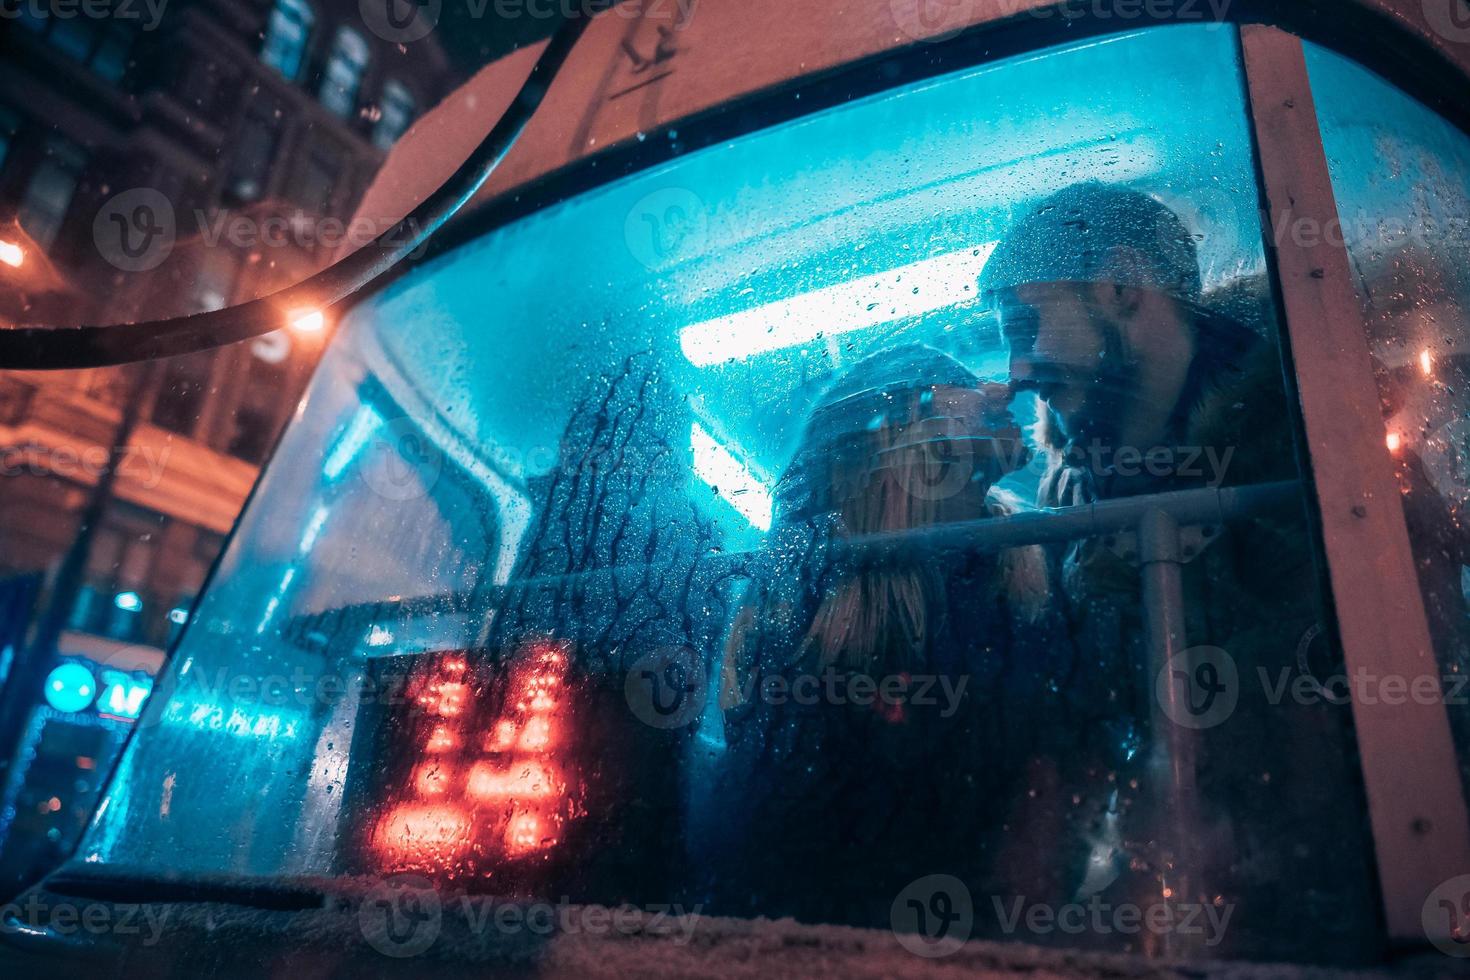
883, 685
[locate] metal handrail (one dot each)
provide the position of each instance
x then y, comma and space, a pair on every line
1207, 506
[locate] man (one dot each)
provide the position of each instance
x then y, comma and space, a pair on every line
1097, 291
1145, 387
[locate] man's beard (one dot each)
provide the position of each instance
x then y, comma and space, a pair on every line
1098, 421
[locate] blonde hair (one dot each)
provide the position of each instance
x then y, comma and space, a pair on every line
880, 613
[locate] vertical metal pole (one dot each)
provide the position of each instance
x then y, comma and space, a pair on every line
1172, 771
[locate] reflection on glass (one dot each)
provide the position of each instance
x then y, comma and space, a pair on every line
508, 597
1400, 174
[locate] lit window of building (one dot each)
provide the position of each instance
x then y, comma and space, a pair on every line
343, 77
286, 35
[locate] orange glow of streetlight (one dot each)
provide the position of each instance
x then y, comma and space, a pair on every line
308, 321
11, 254
1394, 442
1426, 362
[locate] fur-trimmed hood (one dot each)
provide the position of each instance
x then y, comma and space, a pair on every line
1240, 413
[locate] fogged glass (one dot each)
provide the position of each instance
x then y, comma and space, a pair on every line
679, 542
1401, 175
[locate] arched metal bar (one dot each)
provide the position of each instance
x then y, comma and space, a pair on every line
55, 348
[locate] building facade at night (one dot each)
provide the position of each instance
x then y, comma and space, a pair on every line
153, 165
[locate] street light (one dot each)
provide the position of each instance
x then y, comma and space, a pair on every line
11, 254
308, 321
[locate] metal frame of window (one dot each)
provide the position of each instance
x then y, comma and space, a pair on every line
1421, 830
1415, 799
1418, 814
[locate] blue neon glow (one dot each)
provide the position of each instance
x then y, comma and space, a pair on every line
70, 687
358, 434
724, 331
275, 600
899, 294
128, 602
123, 695
255, 723
731, 479
314, 528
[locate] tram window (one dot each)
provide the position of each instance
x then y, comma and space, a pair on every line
1401, 176
562, 580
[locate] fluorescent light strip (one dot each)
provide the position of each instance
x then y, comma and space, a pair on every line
357, 435
731, 479
898, 294
314, 528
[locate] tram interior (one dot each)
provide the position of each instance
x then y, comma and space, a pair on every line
547, 449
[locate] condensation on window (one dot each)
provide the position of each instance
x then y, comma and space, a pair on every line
1401, 176
679, 542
